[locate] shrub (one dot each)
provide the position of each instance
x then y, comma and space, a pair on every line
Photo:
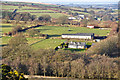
9, 74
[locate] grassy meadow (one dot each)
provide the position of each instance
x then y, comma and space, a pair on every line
53, 15
57, 30
47, 43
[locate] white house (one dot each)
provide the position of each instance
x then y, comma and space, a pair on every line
79, 36
82, 16
90, 26
71, 18
77, 45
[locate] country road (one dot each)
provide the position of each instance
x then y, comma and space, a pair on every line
36, 77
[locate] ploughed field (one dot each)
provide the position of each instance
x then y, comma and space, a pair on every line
53, 32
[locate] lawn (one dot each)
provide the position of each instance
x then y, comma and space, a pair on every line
57, 31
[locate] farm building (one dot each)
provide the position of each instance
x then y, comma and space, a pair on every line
77, 45
79, 36
90, 26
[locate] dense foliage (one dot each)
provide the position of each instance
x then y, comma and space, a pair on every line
44, 18
17, 16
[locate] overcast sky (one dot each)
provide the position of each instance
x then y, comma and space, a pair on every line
65, 0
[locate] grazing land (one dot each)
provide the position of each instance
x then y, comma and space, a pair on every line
53, 15
57, 30
47, 43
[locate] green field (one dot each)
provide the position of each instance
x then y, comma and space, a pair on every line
47, 43
32, 40
9, 7
6, 28
53, 15
55, 30
35, 11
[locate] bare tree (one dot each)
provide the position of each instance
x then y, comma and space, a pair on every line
44, 64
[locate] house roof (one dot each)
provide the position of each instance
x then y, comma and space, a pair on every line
90, 25
81, 34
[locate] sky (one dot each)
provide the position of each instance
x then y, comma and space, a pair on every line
47, 1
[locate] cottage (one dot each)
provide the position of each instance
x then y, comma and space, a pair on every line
77, 45
79, 36
90, 26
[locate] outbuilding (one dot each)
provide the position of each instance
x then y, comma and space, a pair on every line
79, 36
90, 26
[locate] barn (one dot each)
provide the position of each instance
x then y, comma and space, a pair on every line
78, 36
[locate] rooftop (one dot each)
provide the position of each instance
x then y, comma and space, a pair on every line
77, 43
81, 34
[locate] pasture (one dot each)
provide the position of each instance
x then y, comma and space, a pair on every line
56, 31
53, 15
47, 43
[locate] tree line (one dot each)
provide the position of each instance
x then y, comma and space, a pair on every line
62, 20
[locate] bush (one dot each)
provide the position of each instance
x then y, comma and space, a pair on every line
9, 74
33, 32
45, 18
